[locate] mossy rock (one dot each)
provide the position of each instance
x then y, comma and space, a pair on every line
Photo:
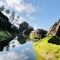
48, 48
34, 37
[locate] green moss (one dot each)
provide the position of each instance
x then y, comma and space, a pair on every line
48, 48
34, 37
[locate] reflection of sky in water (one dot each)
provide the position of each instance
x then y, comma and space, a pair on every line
20, 52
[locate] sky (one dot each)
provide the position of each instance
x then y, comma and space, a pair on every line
38, 13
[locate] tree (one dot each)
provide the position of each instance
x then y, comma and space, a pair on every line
12, 17
2, 8
7, 11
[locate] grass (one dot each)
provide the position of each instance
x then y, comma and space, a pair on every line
48, 50
5, 34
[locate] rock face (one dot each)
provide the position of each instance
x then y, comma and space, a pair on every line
5, 24
24, 31
55, 29
24, 28
37, 34
23, 25
39, 31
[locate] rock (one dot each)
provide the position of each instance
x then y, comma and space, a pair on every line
21, 39
55, 29
24, 35
27, 31
48, 48
23, 25
37, 34
5, 24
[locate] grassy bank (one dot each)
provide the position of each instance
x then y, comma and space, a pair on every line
48, 48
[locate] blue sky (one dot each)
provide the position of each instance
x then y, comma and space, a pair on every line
38, 13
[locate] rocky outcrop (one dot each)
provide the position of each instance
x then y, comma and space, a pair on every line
23, 25
55, 29
25, 29
36, 35
5, 24
24, 32
10, 30
39, 31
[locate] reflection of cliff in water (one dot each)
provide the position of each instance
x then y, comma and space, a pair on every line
8, 32
6, 43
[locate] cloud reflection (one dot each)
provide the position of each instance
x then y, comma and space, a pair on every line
22, 52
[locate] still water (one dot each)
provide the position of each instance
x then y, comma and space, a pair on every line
17, 51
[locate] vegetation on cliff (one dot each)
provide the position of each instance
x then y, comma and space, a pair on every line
48, 48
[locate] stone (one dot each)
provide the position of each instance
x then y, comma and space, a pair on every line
23, 25
55, 29
35, 35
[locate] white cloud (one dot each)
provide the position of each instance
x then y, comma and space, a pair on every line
20, 6
24, 50
13, 2
11, 55
30, 17
1, 3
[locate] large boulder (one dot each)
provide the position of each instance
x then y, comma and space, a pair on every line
35, 35
23, 26
55, 29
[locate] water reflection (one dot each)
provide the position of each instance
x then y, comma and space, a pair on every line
17, 51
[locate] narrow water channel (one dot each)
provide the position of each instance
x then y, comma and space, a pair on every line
16, 51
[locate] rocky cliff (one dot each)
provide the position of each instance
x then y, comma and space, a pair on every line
55, 29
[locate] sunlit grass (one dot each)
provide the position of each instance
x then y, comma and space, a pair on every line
47, 50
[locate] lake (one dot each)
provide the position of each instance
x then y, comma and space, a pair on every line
17, 51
